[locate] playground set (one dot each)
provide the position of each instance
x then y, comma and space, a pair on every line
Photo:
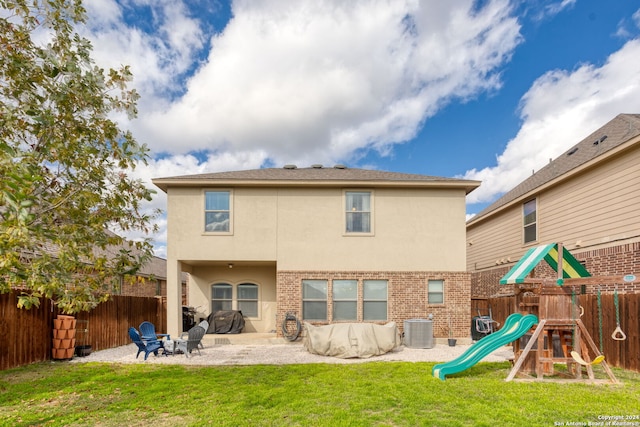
558, 321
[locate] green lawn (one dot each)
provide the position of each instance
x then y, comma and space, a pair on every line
367, 394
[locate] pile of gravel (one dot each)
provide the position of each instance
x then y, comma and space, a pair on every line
281, 354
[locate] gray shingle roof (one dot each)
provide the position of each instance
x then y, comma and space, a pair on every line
311, 176
616, 132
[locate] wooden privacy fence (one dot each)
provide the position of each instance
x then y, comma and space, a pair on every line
622, 354
27, 334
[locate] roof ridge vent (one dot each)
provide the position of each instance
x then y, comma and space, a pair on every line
317, 166
339, 166
289, 167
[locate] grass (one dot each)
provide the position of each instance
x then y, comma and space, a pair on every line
367, 394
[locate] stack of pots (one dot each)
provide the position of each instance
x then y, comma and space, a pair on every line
64, 337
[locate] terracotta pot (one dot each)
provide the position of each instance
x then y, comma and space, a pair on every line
69, 333
62, 353
67, 323
65, 316
59, 333
57, 343
67, 343
57, 324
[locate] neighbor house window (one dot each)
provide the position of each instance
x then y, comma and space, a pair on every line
217, 211
221, 297
314, 299
530, 221
435, 292
358, 211
374, 300
345, 299
248, 299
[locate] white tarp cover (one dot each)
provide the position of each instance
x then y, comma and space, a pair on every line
347, 340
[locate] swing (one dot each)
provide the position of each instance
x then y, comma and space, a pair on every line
617, 334
574, 354
580, 360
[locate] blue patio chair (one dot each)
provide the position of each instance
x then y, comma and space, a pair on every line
146, 347
148, 332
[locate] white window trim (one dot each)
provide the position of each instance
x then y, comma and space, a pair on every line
231, 210
371, 213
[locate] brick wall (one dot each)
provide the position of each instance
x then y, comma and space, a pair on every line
486, 283
616, 260
143, 287
406, 297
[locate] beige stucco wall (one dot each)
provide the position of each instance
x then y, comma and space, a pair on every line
303, 229
414, 229
202, 277
254, 226
595, 209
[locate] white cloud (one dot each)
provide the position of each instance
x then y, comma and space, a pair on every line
295, 82
559, 110
543, 10
314, 82
159, 57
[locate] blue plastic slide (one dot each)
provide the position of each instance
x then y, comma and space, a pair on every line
514, 327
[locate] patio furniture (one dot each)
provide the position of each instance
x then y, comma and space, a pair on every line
146, 347
204, 325
148, 332
226, 322
195, 335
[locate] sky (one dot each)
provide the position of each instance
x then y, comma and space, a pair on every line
486, 90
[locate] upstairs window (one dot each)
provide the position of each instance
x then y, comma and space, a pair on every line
529, 211
217, 211
358, 211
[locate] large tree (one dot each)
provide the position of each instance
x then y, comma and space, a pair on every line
64, 162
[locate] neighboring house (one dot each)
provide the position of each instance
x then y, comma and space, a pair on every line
588, 199
150, 281
327, 244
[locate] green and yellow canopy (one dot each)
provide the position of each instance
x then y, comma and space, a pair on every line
571, 268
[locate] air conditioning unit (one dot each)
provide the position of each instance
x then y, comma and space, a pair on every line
418, 333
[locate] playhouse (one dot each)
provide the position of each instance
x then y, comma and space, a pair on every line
560, 336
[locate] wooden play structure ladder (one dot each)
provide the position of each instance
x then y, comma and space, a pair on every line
559, 316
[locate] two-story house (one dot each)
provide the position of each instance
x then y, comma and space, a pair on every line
329, 244
587, 199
